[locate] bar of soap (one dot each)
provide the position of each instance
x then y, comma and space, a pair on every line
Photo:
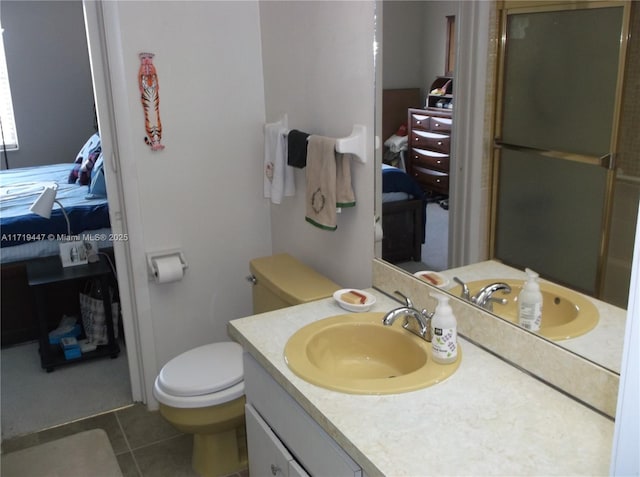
353, 298
431, 278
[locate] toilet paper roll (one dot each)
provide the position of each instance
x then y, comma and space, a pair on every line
168, 269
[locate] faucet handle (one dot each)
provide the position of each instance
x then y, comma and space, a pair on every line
465, 288
427, 316
406, 298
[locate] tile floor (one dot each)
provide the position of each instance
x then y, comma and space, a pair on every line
143, 442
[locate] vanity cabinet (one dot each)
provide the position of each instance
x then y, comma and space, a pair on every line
283, 440
429, 148
269, 456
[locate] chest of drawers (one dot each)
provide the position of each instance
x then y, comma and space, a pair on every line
429, 147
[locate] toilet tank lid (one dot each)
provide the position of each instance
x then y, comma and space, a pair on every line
203, 370
291, 280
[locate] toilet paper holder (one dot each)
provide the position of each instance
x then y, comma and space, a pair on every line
152, 267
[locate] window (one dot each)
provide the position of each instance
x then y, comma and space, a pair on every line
450, 54
9, 137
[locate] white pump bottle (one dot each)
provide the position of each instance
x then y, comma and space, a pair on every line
530, 303
444, 334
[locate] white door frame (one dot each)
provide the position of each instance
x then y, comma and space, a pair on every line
467, 245
110, 90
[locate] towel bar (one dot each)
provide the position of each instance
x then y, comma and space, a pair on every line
354, 144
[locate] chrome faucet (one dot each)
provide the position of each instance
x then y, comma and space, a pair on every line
484, 298
421, 323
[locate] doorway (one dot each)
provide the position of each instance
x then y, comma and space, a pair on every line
33, 399
418, 56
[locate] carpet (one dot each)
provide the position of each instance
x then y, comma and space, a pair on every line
33, 400
84, 454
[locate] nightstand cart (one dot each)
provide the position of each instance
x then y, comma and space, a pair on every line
47, 271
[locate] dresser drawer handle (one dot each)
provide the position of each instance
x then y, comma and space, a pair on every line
439, 143
437, 125
438, 162
418, 122
438, 181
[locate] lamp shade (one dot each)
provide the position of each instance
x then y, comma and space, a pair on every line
44, 203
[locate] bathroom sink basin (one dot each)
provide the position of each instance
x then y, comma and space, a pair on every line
357, 354
565, 313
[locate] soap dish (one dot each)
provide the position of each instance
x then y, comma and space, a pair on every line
433, 278
362, 301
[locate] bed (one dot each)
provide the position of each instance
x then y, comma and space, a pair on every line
26, 236
403, 201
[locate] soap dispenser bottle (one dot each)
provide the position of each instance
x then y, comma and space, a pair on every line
530, 303
444, 333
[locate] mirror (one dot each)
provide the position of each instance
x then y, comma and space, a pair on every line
627, 186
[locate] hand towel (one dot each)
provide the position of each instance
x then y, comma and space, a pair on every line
344, 191
297, 148
278, 176
321, 182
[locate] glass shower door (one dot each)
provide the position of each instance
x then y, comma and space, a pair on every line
555, 140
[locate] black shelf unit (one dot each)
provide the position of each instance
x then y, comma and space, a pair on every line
49, 270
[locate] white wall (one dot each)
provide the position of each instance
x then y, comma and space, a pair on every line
435, 38
624, 456
318, 68
403, 44
414, 42
203, 193
48, 64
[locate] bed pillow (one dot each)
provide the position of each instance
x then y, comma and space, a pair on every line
92, 145
98, 186
84, 176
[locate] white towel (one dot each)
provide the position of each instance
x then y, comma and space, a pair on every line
397, 143
278, 176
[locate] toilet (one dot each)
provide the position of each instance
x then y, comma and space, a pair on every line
201, 391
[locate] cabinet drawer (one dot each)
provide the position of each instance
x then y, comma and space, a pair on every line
441, 124
268, 455
420, 121
307, 442
429, 140
432, 180
430, 159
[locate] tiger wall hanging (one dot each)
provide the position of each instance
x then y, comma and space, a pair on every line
149, 87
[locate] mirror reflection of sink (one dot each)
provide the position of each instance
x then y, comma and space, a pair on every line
565, 313
357, 354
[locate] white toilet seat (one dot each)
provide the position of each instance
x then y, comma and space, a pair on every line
204, 400
204, 376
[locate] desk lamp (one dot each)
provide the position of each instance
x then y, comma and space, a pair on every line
72, 252
44, 203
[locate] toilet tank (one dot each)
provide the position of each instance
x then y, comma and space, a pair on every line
280, 281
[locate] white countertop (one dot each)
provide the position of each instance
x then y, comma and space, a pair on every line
603, 345
489, 418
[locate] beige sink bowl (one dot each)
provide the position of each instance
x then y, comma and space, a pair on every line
357, 354
565, 313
